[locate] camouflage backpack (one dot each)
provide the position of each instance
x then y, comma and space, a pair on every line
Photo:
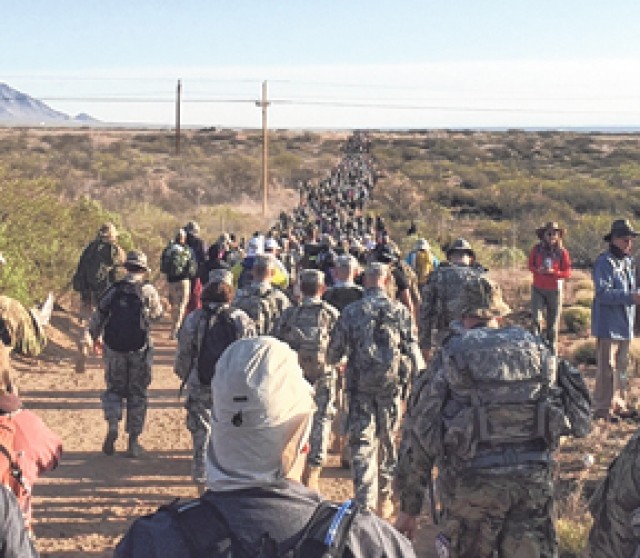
615, 506
307, 329
177, 262
379, 346
261, 307
96, 268
500, 394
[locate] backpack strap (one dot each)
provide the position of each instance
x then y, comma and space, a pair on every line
14, 468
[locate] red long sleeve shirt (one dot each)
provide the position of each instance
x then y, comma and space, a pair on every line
560, 266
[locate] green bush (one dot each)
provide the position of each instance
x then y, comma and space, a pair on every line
583, 298
573, 536
577, 319
585, 353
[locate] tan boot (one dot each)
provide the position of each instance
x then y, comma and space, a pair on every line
311, 477
385, 507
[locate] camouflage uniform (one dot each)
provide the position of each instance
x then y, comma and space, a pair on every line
373, 409
615, 507
127, 375
92, 279
321, 375
198, 402
20, 329
439, 301
263, 303
494, 461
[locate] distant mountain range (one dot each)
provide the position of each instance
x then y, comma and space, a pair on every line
17, 108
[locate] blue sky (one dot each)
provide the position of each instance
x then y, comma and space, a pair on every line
337, 64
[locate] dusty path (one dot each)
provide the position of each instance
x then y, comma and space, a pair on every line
83, 508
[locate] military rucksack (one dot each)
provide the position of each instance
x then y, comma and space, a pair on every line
379, 347
217, 331
499, 395
207, 534
449, 283
261, 307
127, 327
95, 269
341, 297
177, 262
307, 329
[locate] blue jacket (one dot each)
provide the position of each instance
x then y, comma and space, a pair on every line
613, 311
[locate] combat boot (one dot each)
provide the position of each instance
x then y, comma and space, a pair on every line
311, 476
134, 449
108, 447
385, 507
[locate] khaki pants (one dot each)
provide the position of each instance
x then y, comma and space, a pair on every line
611, 377
179, 292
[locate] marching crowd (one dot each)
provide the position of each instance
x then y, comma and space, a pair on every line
319, 334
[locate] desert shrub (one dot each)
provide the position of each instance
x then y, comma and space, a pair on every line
583, 298
577, 319
42, 236
585, 353
573, 535
508, 257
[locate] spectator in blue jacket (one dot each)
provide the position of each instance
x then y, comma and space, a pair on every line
612, 320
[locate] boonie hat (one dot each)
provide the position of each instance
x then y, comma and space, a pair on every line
482, 298
620, 227
461, 245
136, 261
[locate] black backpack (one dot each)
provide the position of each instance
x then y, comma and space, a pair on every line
219, 332
127, 328
207, 534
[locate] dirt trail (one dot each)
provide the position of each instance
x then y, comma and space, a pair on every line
83, 507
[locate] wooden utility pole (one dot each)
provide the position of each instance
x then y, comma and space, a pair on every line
178, 92
265, 147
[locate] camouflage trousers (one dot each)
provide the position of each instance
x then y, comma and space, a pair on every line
325, 394
371, 428
489, 516
127, 376
198, 406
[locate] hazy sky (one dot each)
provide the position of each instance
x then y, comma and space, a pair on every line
330, 63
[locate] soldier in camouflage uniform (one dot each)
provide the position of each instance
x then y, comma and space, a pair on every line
342, 293
307, 329
95, 272
489, 413
615, 507
440, 293
373, 333
262, 302
218, 293
127, 373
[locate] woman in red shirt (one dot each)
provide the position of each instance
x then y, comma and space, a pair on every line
550, 264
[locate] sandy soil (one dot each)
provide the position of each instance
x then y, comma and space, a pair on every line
83, 507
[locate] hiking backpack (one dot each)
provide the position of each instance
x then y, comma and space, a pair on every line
499, 395
177, 262
127, 328
423, 265
449, 283
260, 307
206, 532
218, 331
245, 278
308, 331
379, 345
95, 269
